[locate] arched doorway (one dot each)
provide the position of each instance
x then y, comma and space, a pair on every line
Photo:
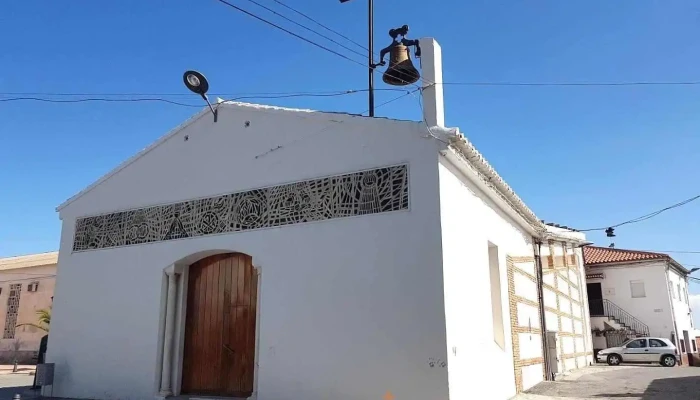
219, 353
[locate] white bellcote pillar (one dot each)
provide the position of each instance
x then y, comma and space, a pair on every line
433, 101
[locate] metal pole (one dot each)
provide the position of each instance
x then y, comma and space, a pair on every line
371, 57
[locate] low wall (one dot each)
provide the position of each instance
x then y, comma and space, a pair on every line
24, 357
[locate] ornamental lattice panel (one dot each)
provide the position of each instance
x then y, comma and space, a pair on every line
12, 311
360, 193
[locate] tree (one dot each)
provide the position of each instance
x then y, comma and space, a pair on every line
44, 318
15, 346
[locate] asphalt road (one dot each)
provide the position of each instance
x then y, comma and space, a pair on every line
647, 382
12, 384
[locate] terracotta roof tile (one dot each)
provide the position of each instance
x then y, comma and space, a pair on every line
593, 255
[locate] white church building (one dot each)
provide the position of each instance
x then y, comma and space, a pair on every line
292, 254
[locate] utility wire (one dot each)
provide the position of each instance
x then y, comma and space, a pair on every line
301, 37
674, 251
95, 99
320, 24
329, 29
190, 94
667, 83
645, 217
325, 128
290, 32
306, 27
117, 100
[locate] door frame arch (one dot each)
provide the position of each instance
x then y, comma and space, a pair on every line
182, 268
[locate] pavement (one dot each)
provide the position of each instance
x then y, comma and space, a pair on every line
643, 382
11, 384
21, 369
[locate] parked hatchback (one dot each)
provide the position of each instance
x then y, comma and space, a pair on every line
641, 350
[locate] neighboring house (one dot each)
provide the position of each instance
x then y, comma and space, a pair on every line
293, 254
638, 293
26, 286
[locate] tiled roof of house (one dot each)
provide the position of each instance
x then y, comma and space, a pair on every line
30, 260
596, 256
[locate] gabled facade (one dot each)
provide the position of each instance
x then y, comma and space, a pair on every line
638, 293
282, 253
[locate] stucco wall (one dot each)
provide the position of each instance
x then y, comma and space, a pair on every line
350, 308
654, 309
29, 303
680, 303
469, 223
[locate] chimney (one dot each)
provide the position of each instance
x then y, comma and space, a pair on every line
431, 65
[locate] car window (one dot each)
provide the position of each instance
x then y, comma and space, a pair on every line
656, 343
637, 344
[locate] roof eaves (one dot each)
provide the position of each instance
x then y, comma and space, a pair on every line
189, 121
134, 158
474, 159
29, 260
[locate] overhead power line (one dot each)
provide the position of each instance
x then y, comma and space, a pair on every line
320, 24
96, 99
23, 95
644, 217
674, 251
660, 83
259, 18
305, 27
326, 127
235, 7
189, 94
130, 100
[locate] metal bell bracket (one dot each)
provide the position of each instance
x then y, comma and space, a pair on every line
394, 33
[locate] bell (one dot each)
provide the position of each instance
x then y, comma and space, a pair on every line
401, 71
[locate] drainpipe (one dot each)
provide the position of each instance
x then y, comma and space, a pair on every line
673, 316
536, 246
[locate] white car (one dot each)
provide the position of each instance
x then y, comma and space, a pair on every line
641, 350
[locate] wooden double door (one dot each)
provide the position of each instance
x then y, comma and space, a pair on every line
219, 356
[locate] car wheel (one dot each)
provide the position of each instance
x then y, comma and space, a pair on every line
614, 359
668, 361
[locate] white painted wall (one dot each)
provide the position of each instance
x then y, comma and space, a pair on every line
350, 308
588, 337
469, 222
681, 306
654, 309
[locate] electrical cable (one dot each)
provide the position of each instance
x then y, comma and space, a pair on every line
669, 83
117, 100
301, 37
326, 127
320, 24
644, 217
95, 99
673, 251
305, 27
190, 94
422, 112
290, 32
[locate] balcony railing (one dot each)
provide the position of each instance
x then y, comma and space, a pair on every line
606, 308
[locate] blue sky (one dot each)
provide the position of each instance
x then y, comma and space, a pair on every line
581, 156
